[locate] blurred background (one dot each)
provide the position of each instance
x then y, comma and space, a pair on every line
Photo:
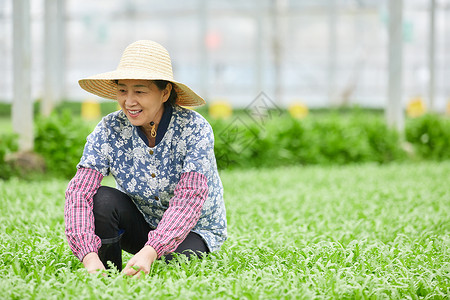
320, 52
285, 81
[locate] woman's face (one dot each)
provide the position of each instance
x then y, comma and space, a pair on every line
141, 100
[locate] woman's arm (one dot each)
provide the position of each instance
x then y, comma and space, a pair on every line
191, 192
78, 215
182, 215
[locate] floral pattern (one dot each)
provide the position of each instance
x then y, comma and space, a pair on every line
149, 175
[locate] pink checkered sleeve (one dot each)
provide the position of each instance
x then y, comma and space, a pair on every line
182, 215
78, 215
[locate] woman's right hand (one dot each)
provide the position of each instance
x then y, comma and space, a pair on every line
92, 263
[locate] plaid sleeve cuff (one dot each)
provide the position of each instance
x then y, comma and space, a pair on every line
78, 215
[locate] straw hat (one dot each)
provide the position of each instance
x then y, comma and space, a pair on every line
145, 60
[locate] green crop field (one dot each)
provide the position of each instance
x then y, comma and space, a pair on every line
5, 125
358, 231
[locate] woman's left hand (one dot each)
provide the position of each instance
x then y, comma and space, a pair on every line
141, 262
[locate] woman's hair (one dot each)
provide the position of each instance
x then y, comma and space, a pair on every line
161, 85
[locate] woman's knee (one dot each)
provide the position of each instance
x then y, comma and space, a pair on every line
106, 200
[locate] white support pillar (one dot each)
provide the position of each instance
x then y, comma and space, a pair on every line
60, 76
431, 56
22, 106
446, 49
394, 109
332, 52
279, 19
204, 57
54, 55
50, 57
259, 48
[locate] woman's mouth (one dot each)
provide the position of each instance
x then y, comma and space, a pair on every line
134, 113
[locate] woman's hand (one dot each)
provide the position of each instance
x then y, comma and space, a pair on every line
141, 261
92, 263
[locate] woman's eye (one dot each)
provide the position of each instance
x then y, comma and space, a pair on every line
122, 91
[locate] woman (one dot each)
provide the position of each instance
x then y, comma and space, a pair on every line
169, 196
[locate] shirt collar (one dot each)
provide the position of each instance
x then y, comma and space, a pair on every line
162, 127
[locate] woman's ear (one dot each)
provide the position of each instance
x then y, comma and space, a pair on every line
167, 91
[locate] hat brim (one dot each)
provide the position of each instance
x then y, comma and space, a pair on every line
103, 85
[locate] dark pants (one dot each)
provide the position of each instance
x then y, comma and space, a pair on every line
120, 225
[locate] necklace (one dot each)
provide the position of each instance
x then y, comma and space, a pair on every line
152, 129
153, 126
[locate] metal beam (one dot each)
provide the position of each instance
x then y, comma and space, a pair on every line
332, 52
22, 106
278, 40
50, 55
318, 10
431, 55
259, 48
61, 53
394, 109
204, 55
54, 55
446, 42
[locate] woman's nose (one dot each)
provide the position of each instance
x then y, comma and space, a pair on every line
129, 100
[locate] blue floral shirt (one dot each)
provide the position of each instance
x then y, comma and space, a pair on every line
149, 175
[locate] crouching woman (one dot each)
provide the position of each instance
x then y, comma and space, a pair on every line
168, 196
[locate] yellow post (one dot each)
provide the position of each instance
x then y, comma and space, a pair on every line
220, 109
90, 109
416, 107
448, 108
298, 110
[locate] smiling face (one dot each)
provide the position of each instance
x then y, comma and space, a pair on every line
142, 101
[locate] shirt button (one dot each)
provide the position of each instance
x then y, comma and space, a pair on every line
156, 198
151, 152
153, 175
